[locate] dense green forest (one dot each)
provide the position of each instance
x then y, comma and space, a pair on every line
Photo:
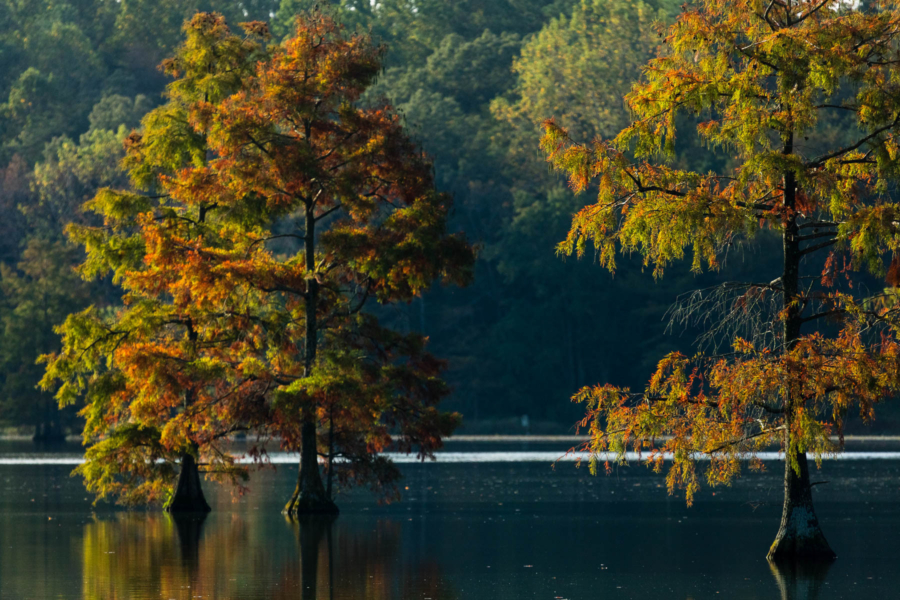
473, 79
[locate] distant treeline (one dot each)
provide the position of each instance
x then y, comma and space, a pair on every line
473, 79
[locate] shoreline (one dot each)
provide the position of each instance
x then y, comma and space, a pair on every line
501, 438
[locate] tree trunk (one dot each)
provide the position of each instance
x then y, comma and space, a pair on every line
309, 496
800, 538
188, 497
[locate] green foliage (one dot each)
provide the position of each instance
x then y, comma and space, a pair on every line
52, 80
579, 66
37, 294
62, 65
41, 287
256, 137
766, 79
414, 30
114, 111
472, 81
472, 72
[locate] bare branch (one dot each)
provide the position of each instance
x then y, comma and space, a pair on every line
744, 439
827, 313
274, 237
817, 247
826, 157
811, 12
641, 188
814, 236
329, 211
818, 224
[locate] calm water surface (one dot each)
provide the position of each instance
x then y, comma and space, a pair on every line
481, 530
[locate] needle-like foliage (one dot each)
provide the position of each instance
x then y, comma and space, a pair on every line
767, 82
271, 206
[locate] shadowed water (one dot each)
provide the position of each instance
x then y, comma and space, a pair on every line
484, 530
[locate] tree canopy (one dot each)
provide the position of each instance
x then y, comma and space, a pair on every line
270, 206
766, 80
472, 82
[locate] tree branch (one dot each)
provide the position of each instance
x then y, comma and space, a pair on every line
812, 249
274, 237
818, 224
328, 212
813, 236
772, 24
769, 409
811, 12
822, 159
744, 439
641, 188
827, 313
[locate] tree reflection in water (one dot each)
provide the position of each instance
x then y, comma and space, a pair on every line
799, 581
339, 562
311, 532
124, 553
152, 555
188, 528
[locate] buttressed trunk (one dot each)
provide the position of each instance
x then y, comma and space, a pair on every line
309, 496
800, 538
188, 497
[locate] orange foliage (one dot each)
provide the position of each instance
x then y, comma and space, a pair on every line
769, 79
275, 205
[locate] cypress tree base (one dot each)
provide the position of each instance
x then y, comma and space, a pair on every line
800, 538
188, 497
801, 541
300, 505
309, 497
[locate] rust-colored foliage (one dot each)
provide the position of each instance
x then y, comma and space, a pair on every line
893, 274
273, 206
769, 79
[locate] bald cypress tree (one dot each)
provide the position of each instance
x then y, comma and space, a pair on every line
271, 208
803, 95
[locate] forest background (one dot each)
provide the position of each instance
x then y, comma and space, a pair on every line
473, 79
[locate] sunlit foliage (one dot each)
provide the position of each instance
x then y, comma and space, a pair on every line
804, 95
272, 206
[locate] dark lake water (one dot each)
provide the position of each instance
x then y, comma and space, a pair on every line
465, 530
